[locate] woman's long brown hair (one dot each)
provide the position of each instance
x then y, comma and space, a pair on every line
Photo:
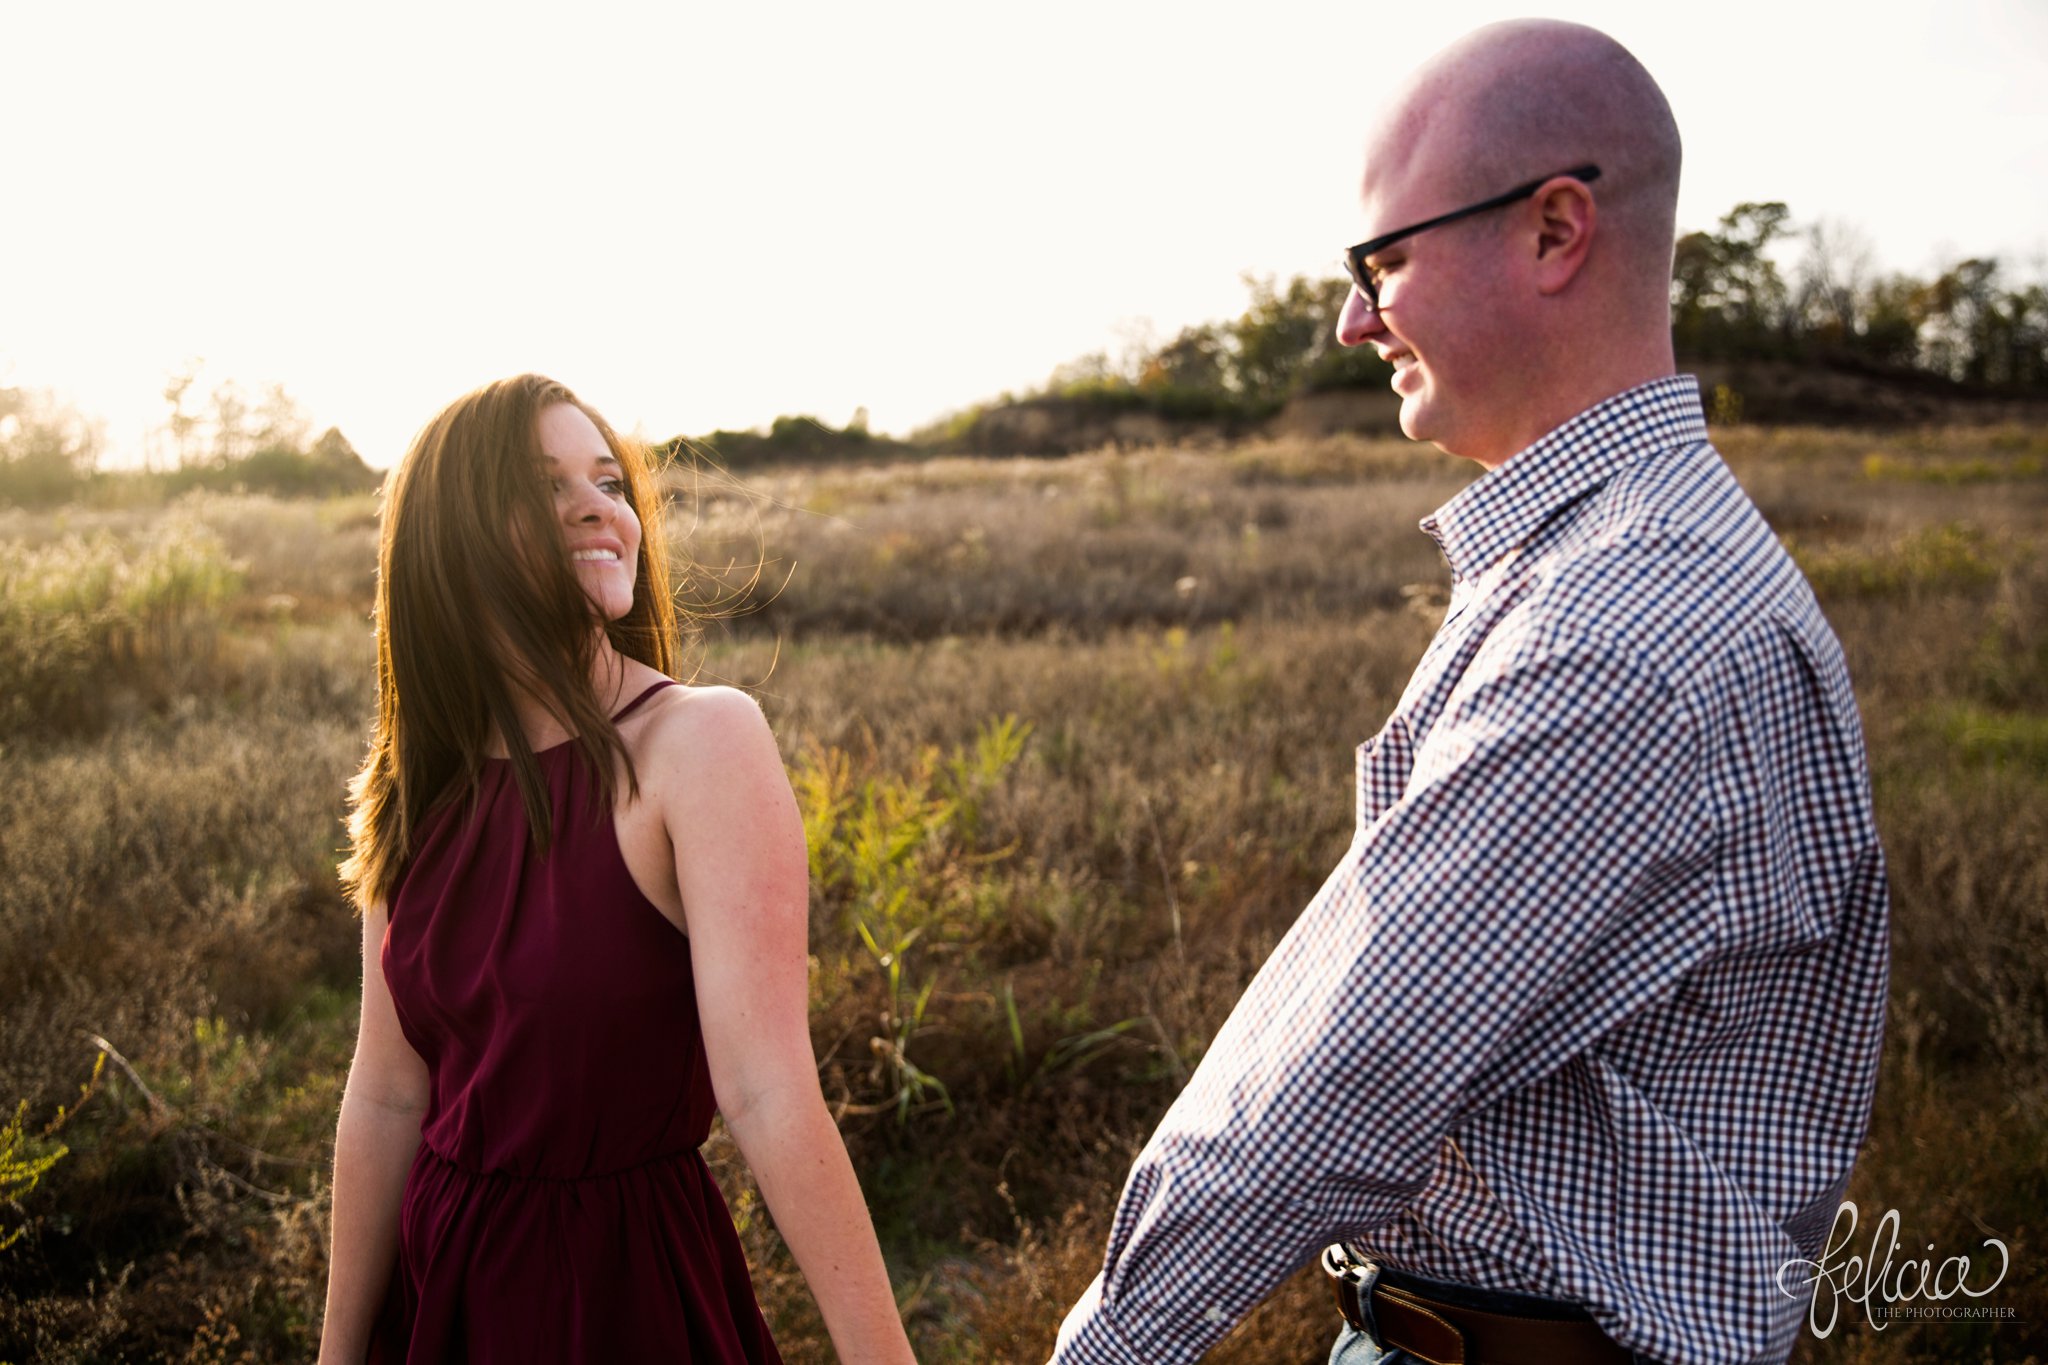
476, 600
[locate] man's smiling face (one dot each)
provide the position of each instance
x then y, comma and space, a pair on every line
1440, 321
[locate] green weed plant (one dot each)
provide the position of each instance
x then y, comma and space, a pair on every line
26, 1158
894, 856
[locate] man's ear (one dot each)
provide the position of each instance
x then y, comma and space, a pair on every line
1565, 220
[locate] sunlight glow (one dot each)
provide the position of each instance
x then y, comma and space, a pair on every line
704, 216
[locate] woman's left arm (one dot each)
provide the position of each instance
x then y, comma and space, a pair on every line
743, 873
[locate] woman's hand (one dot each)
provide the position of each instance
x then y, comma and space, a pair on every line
376, 1137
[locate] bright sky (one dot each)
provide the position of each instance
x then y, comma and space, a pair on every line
705, 215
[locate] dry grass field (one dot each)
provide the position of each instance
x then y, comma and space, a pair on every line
1073, 739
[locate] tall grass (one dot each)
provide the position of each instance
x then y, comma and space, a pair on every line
80, 614
1073, 743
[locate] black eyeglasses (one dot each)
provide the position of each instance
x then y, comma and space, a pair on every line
1367, 280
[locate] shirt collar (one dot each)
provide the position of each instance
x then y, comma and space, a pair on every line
1505, 505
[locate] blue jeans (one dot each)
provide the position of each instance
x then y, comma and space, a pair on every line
1355, 1348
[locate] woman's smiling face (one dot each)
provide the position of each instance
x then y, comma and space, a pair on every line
592, 506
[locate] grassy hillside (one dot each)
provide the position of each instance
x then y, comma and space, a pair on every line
1073, 739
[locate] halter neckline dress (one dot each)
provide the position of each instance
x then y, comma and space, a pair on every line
558, 1209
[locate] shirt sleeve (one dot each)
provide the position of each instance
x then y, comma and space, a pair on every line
1555, 798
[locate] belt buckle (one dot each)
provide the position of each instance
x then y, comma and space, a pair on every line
1354, 1281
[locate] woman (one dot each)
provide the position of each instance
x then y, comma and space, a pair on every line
584, 915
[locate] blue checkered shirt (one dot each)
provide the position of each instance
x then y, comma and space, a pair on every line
1592, 1006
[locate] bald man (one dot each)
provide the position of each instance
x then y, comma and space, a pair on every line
1571, 1055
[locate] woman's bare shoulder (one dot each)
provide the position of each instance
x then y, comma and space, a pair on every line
691, 728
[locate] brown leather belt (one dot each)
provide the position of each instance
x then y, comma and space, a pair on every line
1451, 1334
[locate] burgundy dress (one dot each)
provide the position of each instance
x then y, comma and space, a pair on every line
558, 1209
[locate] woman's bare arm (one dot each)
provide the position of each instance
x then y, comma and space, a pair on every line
374, 1144
744, 878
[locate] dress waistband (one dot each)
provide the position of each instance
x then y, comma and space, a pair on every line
475, 1173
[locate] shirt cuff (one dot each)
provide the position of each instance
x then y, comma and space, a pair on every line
1087, 1338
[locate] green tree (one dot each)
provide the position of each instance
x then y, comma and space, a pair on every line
281, 424
182, 426
1976, 330
1277, 337
2029, 322
1092, 375
1197, 360
1330, 365
1832, 286
48, 449
1890, 322
232, 437
331, 466
333, 451
1727, 297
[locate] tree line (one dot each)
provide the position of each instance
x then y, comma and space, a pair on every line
1975, 324
1731, 299
225, 439
1972, 323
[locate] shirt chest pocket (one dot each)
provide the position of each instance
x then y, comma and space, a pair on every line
1384, 763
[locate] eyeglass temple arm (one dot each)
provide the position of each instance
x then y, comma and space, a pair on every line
1584, 174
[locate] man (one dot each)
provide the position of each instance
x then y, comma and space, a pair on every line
1576, 1046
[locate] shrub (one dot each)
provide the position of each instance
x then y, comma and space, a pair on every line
77, 614
1935, 558
47, 449
788, 440
1924, 469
